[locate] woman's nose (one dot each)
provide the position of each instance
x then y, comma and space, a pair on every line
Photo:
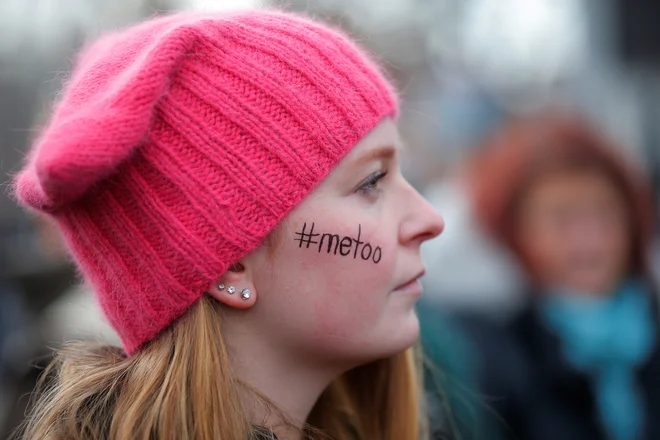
422, 221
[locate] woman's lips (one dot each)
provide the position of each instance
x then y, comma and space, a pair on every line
412, 288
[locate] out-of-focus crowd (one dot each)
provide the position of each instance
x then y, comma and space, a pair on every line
577, 354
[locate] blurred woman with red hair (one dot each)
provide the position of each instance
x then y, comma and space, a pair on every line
581, 360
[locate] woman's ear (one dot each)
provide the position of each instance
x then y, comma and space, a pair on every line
235, 288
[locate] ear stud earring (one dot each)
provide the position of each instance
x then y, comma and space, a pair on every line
231, 290
246, 294
221, 286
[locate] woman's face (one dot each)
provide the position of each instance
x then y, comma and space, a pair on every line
337, 281
573, 229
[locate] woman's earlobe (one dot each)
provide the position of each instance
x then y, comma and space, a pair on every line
233, 296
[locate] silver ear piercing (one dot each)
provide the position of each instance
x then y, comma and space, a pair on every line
245, 293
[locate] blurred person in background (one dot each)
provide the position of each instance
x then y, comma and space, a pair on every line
201, 168
580, 360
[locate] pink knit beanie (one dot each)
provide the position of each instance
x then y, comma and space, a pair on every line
180, 143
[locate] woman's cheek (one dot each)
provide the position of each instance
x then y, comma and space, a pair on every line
350, 273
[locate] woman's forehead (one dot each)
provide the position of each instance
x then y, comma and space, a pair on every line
382, 141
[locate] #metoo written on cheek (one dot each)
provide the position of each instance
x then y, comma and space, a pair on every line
345, 245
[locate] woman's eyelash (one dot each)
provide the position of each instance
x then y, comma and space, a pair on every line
370, 183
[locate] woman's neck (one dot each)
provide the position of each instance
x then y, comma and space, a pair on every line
289, 383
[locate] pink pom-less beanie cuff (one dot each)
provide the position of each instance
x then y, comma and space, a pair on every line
180, 143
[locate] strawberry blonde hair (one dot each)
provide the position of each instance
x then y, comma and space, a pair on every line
181, 386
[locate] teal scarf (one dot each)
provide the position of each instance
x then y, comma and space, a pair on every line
607, 338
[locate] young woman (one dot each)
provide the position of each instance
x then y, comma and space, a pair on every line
230, 187
582, 360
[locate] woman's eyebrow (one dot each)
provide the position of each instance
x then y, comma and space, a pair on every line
384, 152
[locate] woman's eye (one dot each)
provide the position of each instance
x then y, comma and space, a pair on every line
370, 184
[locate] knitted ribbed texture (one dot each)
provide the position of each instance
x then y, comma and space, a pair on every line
180, 143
